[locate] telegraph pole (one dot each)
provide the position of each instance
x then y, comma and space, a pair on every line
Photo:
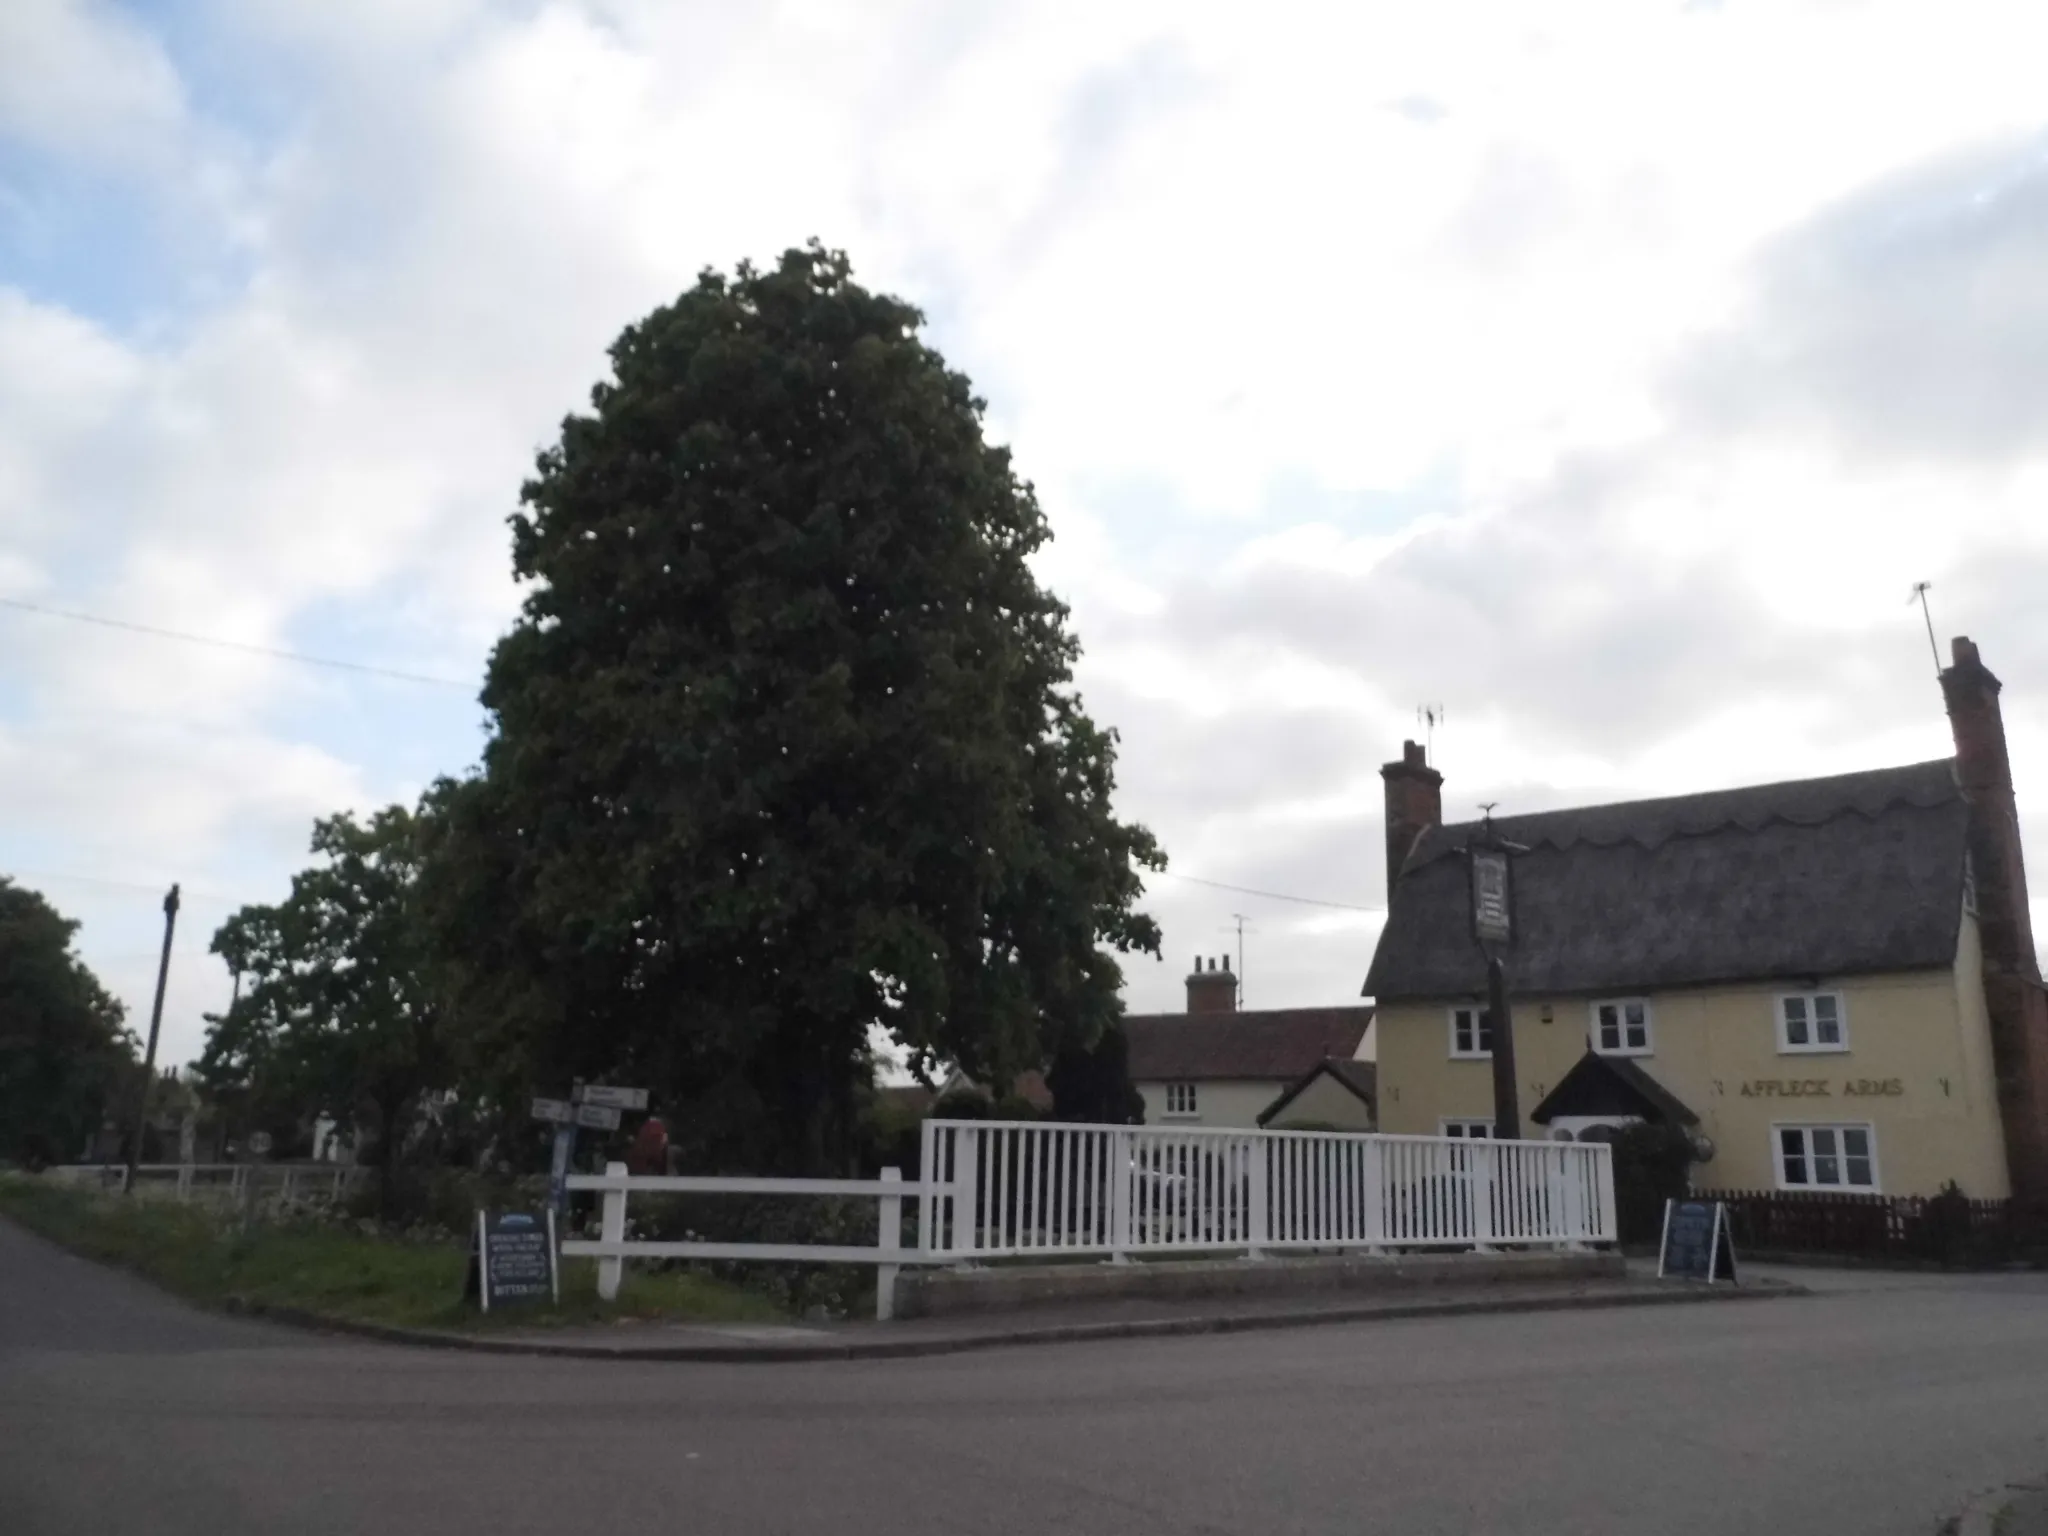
156, 1019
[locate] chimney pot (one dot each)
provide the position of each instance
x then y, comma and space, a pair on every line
1415, 803
1211, 990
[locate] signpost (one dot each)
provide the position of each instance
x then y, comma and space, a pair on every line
593, 1106
1492, 911
512, 1257
1490, 871
603, 1097
1696, 1244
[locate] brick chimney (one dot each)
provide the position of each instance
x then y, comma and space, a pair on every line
2013, 994
1415, 803
1214, 989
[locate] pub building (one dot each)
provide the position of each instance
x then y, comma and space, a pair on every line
1830, 983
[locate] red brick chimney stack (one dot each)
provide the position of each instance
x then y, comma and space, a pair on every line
1415, 803
1213, 990
2013, 993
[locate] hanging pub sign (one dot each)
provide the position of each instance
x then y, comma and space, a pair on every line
1696, 1244
512, 1258
1493, 904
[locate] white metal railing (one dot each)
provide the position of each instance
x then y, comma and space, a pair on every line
280, 1183
997, 1189
611, 1248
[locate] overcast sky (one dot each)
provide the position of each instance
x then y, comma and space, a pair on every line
1605, 373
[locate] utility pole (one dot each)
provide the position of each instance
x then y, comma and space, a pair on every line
1920, 596
156, 1020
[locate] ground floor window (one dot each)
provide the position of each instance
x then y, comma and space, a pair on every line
1180, 1098
1471, 1130
1827, 1157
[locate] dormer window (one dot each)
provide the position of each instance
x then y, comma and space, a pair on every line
1621, 1027
1471, 1033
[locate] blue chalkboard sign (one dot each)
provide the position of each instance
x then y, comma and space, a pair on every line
1696, 1244
512, 1258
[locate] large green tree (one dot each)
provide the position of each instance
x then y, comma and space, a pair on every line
66, 1062
786, 748
337, 1009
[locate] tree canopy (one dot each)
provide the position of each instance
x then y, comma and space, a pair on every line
336, 1010
785, 746
66, 1062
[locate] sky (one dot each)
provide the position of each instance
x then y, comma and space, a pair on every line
1605, 374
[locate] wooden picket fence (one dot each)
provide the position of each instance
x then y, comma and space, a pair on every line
1942, 1229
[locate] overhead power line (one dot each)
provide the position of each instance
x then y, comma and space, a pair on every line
1246, 890
188, 638
31, 877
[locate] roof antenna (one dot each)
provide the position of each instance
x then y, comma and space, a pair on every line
1920, 596
1486, 809
1431, 716
1241, 921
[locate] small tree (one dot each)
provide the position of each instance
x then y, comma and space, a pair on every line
337, 1009
65, 1059
1093, 1082
1652, 1164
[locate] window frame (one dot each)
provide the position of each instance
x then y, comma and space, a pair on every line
1187, 1090
1812, 1185
1482, 1032
1468, 1128
1649, 1045
1813, 1047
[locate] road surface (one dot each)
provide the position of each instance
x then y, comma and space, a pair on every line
1877, 1407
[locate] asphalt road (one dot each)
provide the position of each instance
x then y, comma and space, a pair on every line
1877, 1407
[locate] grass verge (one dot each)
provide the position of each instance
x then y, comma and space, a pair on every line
340, 1270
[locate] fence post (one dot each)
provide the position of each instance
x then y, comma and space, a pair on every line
1566, 1223
612, 1229
184, 1183
928, 1206
285, 1198
965, 1229
888, 1236
1261, 1201
1120, 1176
1372, 1170
1485, 1179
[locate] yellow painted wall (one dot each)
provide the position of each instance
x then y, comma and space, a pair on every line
1227, 1103
1324, 1102
1924, 1031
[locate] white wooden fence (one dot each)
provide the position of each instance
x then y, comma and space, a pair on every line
611, 1248
1002, 1189
227, 1183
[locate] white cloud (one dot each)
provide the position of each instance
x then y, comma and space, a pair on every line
1607, 378
83, 79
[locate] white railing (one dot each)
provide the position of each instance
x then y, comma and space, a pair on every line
1000, 1189
1005, 1189
266, 1183
611, 1248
